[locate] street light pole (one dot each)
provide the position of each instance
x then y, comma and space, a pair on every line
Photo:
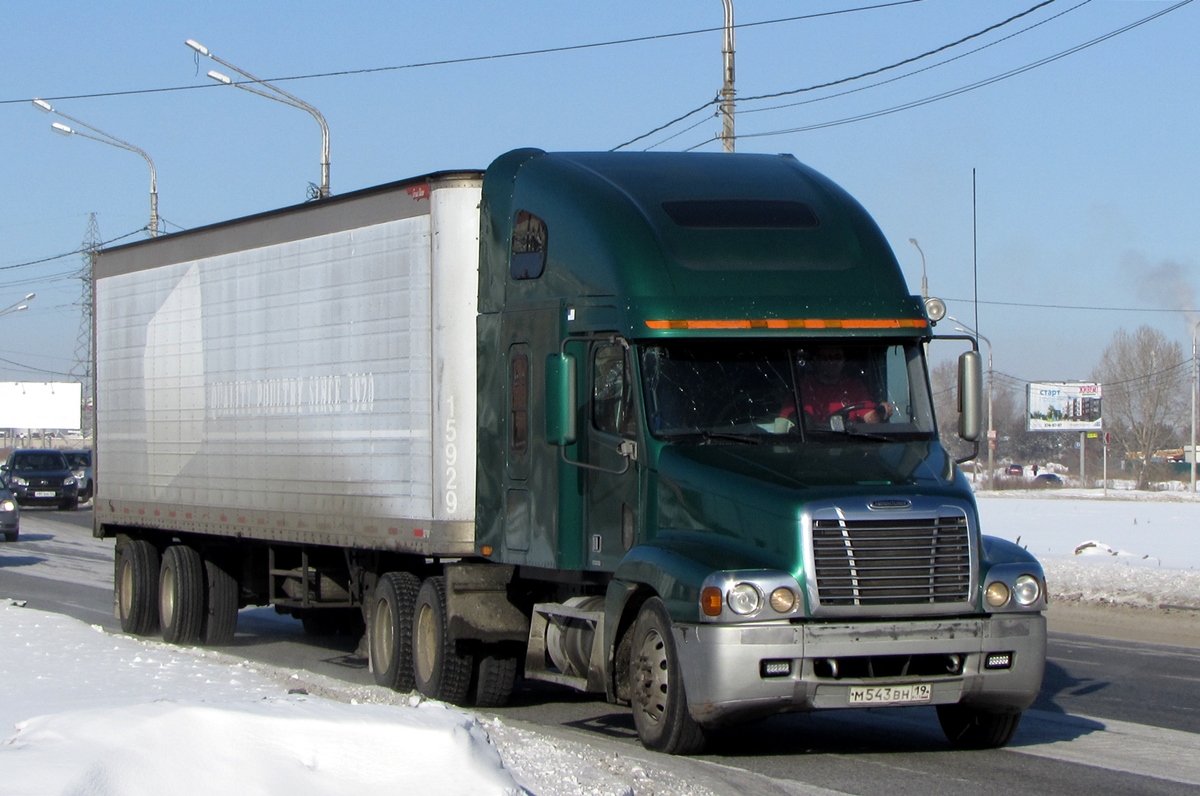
727, 92
924, 279
1195, 326
111, 140
279, 95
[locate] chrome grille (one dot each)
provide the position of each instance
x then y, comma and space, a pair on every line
892, 561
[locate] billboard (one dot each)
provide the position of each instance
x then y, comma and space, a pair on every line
1063, 406
41, 405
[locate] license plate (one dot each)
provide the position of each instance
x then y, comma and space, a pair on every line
44, 494
890, 694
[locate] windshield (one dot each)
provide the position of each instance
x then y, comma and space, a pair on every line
760, 390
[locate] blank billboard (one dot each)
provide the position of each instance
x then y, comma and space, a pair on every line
41, 405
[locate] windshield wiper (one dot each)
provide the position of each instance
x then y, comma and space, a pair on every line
712, 436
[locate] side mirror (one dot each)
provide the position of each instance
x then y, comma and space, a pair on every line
970, 396
561, 399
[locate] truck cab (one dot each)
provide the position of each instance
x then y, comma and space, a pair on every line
705, 417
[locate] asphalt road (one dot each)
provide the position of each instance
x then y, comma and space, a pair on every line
1113, 716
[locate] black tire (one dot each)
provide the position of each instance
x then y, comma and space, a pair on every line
390, 635
70, 505
136, 587
220, 605
660, 708
11, 536
181, 582
494, 678
967, 727
441, 672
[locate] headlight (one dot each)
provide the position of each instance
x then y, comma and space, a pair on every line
996, 594
1026, 590
19, 481
744, 599
7, 506
68, 480
783, 600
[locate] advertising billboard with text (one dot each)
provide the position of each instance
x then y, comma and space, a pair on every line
1063, 406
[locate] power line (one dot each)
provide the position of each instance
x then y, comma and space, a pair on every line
75, 253
840, 81
970, 87
476, 58
1073, 306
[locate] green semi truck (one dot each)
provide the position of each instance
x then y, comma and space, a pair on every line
654, 426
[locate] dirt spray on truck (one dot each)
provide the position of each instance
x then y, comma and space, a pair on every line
654, 426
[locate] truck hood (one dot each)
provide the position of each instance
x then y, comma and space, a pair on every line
739, 506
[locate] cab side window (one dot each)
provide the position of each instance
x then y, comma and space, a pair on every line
612, 391
529, 239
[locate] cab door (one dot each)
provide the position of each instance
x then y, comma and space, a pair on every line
612, 473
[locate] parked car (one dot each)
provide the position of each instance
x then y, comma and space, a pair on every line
41, 477
10, 516
81, 464
1048, 479
1014, 469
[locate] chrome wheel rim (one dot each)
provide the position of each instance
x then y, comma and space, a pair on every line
651, 675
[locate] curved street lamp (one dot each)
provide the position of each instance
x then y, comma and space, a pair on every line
279, 95
111, 140
18, 306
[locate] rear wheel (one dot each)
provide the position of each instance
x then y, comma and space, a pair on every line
495, 676
441, 672
390, 643
136, 584
968, 727
181, 584
220, 603
660, 709
11, 536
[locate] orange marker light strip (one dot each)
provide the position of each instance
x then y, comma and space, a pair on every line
792, 323
710, 601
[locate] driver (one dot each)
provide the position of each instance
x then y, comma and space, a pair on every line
827, 390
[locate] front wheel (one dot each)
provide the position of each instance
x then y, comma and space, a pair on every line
967, 727
660, 709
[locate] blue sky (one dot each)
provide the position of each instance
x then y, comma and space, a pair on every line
1085, 168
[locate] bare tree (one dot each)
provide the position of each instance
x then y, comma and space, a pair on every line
1144, 394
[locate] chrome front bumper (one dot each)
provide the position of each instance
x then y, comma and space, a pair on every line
725, 667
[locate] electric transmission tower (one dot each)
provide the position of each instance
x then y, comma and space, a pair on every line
82, 370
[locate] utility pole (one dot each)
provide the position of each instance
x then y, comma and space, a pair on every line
727, 87
82, 369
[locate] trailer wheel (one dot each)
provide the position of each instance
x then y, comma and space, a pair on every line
495, 676
390, 642
136, 584
441, 672
181, 595
968, 727
660, 709
220, 603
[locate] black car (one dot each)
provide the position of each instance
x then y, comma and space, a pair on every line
41, 477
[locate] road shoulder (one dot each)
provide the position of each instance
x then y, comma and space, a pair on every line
1153, 625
